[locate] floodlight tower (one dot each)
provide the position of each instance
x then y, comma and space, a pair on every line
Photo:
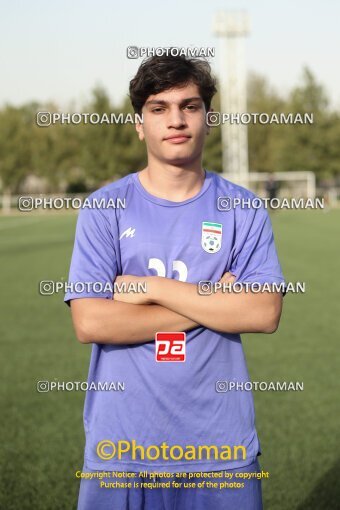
232, 27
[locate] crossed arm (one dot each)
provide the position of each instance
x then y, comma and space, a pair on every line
171, 305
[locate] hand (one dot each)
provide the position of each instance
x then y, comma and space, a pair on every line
227, 278
132, 289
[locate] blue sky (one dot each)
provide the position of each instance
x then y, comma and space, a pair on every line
59, 50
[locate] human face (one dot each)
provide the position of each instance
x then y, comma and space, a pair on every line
174, 125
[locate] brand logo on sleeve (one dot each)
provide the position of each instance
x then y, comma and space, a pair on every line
170, 346
211, 236
129, 232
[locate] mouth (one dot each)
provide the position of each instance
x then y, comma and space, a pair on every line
177, 139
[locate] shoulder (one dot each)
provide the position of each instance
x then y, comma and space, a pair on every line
102, 205
230, 189
248, 208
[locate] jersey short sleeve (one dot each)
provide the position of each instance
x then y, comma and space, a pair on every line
255, 259
94, 264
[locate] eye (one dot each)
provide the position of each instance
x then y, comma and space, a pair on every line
192, 107
158, 109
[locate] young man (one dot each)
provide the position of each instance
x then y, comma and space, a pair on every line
170, 236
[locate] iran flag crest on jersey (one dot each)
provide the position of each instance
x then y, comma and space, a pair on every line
211, 236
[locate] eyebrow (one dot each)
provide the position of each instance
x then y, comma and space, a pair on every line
164, 103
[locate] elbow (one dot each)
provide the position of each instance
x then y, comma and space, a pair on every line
83, 338
271, 321
82, 324
87, 320
270, 327
83, 332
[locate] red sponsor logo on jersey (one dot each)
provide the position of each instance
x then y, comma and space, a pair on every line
170, 346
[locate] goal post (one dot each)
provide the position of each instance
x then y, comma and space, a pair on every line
300, 184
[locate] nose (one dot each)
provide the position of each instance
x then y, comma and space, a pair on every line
176, 118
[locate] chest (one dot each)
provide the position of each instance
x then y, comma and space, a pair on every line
188, 244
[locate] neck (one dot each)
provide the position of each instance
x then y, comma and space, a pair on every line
171, 182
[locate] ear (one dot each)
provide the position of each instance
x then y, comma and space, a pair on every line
140, 131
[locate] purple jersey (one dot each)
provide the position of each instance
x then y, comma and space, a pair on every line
172, 402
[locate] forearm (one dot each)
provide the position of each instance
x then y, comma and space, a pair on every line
226, 312
106, 321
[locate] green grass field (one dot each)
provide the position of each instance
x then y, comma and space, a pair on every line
42, 433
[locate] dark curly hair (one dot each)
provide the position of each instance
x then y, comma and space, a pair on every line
159, 73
